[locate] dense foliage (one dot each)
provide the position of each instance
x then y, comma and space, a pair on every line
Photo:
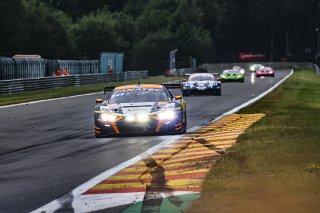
146, 30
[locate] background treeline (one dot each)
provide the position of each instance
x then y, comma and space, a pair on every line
146, 30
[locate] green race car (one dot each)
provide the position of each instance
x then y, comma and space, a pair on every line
232, 75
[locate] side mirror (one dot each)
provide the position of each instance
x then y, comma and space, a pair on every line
178, 97
218, 79
98, 100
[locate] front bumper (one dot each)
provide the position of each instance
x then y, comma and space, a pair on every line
153, 126
207, 91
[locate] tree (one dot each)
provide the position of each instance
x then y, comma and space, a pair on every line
49, 31
96, 33
14, 26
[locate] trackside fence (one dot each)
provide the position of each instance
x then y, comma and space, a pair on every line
20, 85
29, 68
80, 67
217, 68
14, 68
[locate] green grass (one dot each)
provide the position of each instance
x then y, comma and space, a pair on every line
275, 166
35, 95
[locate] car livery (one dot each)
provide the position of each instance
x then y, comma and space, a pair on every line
265, 71
232, 75
201, 83
142, 108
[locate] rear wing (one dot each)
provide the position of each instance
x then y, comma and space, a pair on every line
172, 86
107, 89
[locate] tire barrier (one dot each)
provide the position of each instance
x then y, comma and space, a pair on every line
20, 85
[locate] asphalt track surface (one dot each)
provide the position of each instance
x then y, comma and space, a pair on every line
47, 149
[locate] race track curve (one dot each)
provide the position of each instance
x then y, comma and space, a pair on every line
47, 149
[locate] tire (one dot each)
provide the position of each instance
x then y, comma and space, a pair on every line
184, 128
218, 93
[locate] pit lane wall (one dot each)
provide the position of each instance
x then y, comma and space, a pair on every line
20, 85
217, 68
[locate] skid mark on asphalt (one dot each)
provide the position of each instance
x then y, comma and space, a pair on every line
180, 167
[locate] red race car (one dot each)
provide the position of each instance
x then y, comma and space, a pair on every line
265, 71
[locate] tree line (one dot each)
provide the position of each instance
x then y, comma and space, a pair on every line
147, 30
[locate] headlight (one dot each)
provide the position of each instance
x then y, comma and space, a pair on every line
142, 117
223, 76
130, 118
108, 117
252, 68
166, 115
239, 76
242, 71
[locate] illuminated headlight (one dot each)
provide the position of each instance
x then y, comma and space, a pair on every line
142, 117
108, 117
166, 115
239, 76
242, 71
130, 118
223, 76
252, 68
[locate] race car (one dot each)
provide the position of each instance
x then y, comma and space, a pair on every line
140, 108
255, 67
201, 83
232, 75
265, 71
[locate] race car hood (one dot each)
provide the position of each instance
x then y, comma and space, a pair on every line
136, 108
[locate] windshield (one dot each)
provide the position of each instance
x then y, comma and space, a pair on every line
138, 95
201, 78
231, 72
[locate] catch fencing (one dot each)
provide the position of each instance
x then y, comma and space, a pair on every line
14, 68
28, 68
20, 85
80, 67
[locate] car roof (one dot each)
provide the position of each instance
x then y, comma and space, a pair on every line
134, 86
231, 71
201, 74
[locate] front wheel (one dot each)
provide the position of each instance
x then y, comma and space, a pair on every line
218, 93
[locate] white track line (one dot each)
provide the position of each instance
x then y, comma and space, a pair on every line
46, 100
76, 193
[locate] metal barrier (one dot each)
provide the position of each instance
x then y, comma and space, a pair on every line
216, 68
80, 67
20, 85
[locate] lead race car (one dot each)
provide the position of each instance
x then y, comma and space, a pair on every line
140, 108
201, 83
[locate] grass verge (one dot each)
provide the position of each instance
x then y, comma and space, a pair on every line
35, 95
275, 166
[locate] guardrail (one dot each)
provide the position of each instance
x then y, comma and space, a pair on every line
276, 65
216, 68
20, 85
